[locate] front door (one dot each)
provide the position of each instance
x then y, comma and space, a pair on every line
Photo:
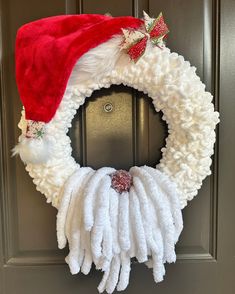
202, 31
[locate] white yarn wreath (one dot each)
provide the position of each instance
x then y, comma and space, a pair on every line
102, 226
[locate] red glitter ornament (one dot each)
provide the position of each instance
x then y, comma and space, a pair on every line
121, 181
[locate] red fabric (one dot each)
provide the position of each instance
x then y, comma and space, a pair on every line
47, 50
137, 49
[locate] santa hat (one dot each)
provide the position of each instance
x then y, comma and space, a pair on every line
46, 52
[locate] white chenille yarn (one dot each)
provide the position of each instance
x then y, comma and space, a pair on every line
147, 225
100, 225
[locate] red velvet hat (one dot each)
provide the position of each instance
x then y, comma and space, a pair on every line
47, 55
47, 50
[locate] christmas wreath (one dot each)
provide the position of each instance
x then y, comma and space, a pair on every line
109, 216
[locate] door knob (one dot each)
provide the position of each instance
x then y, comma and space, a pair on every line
108, 107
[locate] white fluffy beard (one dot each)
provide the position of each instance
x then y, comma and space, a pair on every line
108, 229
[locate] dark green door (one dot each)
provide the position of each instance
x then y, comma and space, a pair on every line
202, 31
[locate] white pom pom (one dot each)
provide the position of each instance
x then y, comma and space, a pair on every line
34, 151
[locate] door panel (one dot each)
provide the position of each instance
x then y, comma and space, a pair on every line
131, 133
